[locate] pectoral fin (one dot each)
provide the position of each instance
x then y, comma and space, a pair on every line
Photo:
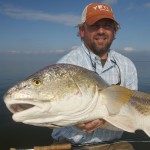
125, 121
147, 131
115, 97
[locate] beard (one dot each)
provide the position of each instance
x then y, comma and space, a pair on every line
100, 44
100, 50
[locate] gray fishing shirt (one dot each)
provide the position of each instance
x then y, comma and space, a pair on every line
117, 68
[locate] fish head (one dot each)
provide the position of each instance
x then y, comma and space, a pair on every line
28, 91
51, 96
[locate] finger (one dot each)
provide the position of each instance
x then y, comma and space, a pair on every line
93, 124
81, 126
101, 123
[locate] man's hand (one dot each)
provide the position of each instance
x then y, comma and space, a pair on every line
91, 126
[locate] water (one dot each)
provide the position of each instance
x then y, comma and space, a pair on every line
15, 67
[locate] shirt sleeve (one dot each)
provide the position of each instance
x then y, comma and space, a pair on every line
70, 58
131, 77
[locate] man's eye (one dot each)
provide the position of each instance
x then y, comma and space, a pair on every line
109, 26
95, 26
105, 26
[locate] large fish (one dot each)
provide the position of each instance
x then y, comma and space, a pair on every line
63, 94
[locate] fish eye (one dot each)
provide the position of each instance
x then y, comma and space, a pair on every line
36, 82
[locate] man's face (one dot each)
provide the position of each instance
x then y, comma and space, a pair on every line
99, 36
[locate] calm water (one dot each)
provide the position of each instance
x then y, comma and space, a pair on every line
15, 67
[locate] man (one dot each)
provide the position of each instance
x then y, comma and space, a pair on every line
97, 30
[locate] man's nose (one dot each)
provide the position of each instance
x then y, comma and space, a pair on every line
101, 29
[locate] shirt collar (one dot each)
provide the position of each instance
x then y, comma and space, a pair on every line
89, 53
95, 57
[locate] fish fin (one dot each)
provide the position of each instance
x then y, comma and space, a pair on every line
147, 131
121, 122
114, 97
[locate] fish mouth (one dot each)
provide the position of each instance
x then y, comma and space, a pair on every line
23, 110
20, 107
17, 106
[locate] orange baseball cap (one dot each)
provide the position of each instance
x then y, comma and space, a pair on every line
97, 11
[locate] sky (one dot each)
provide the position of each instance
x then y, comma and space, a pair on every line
41, 26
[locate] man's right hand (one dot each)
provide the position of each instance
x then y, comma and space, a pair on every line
91, 126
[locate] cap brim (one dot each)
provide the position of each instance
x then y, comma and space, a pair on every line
94, 19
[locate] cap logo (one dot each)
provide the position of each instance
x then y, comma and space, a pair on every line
101, 8
97, 11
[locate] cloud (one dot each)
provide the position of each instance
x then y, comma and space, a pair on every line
129, 49
26, 14
147, 5
133, 6
110, 1
57, 51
